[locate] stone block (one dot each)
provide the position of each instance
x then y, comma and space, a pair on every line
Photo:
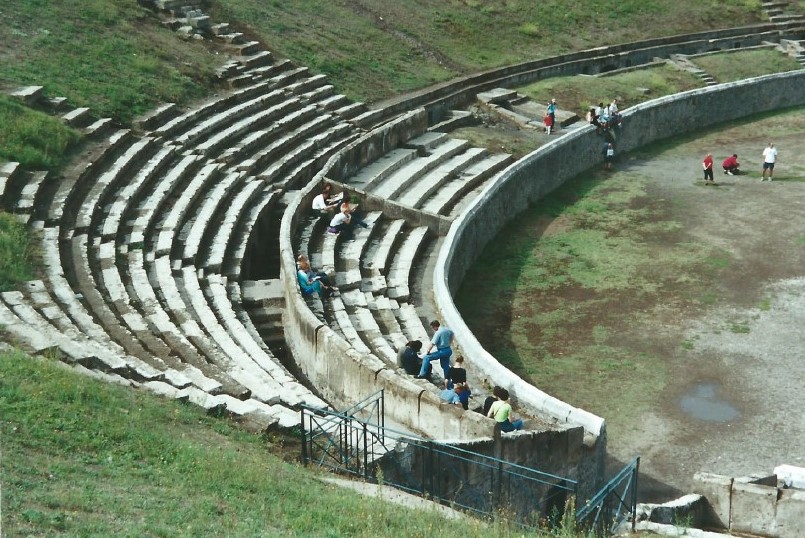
791, 514
754, 509
717, 489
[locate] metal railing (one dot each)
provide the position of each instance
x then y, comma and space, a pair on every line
444, 473
611, 506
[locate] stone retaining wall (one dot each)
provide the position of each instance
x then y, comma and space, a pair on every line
343, 376
461, 91
531, 178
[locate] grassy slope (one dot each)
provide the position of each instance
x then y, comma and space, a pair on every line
372, 49
85, 458
111, 55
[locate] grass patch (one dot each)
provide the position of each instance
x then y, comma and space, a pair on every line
739, 328
579, 93
33, 138
574, 279
110, 55
15, 253
738, 65
416, 43
81, 458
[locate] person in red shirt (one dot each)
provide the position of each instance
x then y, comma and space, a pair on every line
707, 165
731, 165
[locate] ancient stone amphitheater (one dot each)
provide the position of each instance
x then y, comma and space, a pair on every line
169, 252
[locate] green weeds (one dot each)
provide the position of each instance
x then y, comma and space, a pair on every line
33, 138
15, 253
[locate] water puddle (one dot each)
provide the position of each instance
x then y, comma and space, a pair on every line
703, 403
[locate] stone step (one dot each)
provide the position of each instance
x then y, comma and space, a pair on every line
99, 128
244, 49
158, 116
29, 95
78, 117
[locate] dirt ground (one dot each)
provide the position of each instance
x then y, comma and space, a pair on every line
732, 396
747, 352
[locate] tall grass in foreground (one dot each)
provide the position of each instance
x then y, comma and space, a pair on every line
15, 253
85, 458
33, 138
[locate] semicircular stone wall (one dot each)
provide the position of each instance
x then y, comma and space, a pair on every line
543, 170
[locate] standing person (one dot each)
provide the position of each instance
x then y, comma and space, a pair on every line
731, 164
609, 155
707, 166
457, 374
548, 123
551, 111
769, 156
442, 340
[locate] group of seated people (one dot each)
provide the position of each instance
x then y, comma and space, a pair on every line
604, 117
456, 390
343, 215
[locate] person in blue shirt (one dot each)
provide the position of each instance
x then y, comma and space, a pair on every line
551, 111
458, 395
442, 340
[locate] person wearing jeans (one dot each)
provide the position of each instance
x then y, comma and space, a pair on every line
442, 340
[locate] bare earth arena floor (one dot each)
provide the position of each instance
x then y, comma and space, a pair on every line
716, 338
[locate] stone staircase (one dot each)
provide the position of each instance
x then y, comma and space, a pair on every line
683, 62
778, 12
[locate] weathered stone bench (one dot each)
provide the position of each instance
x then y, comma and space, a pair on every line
406, 176
225, 227
129, 195
450, 194
193, 231
31, 191
377, 171
110, 180
399, 275
155, 200
177, 215
226, 117
427, 184
69, 191
186, 121
223, 138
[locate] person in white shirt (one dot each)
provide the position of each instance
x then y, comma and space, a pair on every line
769, 157
323, 204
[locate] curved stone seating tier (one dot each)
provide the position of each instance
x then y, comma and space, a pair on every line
156, 336
193, 230
72, 188
132, 191
402, 179
447, 200
220, 241
398, 278
158, 197
187, 121
110, 180
283, 136
223, 138
220, 121
177, 215
29, 194
260, 211
10, 172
